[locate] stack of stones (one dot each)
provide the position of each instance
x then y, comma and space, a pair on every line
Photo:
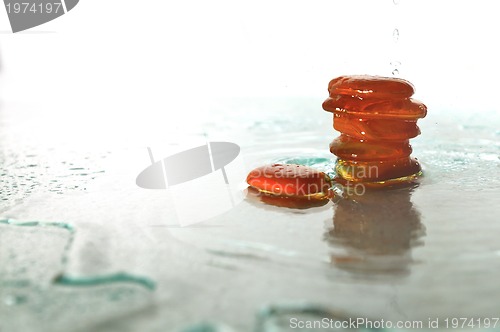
376, 118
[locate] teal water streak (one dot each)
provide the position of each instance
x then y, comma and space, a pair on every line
207, 327
62, 225
65, 280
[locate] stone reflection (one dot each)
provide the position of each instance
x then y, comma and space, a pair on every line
377, 231
291, 202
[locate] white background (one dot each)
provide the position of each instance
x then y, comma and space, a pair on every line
113, 60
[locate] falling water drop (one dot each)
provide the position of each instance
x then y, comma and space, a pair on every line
395, 38
395, 35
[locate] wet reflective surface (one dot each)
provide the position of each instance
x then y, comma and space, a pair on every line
83, 248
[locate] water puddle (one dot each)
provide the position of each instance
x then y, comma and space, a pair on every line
35, 286
65, 280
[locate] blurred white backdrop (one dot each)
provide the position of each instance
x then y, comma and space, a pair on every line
111, 62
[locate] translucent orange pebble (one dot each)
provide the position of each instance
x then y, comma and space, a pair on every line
375, 129
376, 117
351, 148
376, 108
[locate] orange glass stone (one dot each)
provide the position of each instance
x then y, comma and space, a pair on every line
376, 108
376, 117
375, 129
370, 87
351, 148
290, 180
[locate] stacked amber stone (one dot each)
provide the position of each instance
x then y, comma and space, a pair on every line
376, 118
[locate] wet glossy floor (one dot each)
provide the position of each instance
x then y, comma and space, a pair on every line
83, 248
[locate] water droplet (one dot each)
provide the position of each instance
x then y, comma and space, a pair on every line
396, 2
12, 300
395, 72
395, 35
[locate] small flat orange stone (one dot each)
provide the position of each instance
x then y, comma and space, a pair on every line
290, 180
